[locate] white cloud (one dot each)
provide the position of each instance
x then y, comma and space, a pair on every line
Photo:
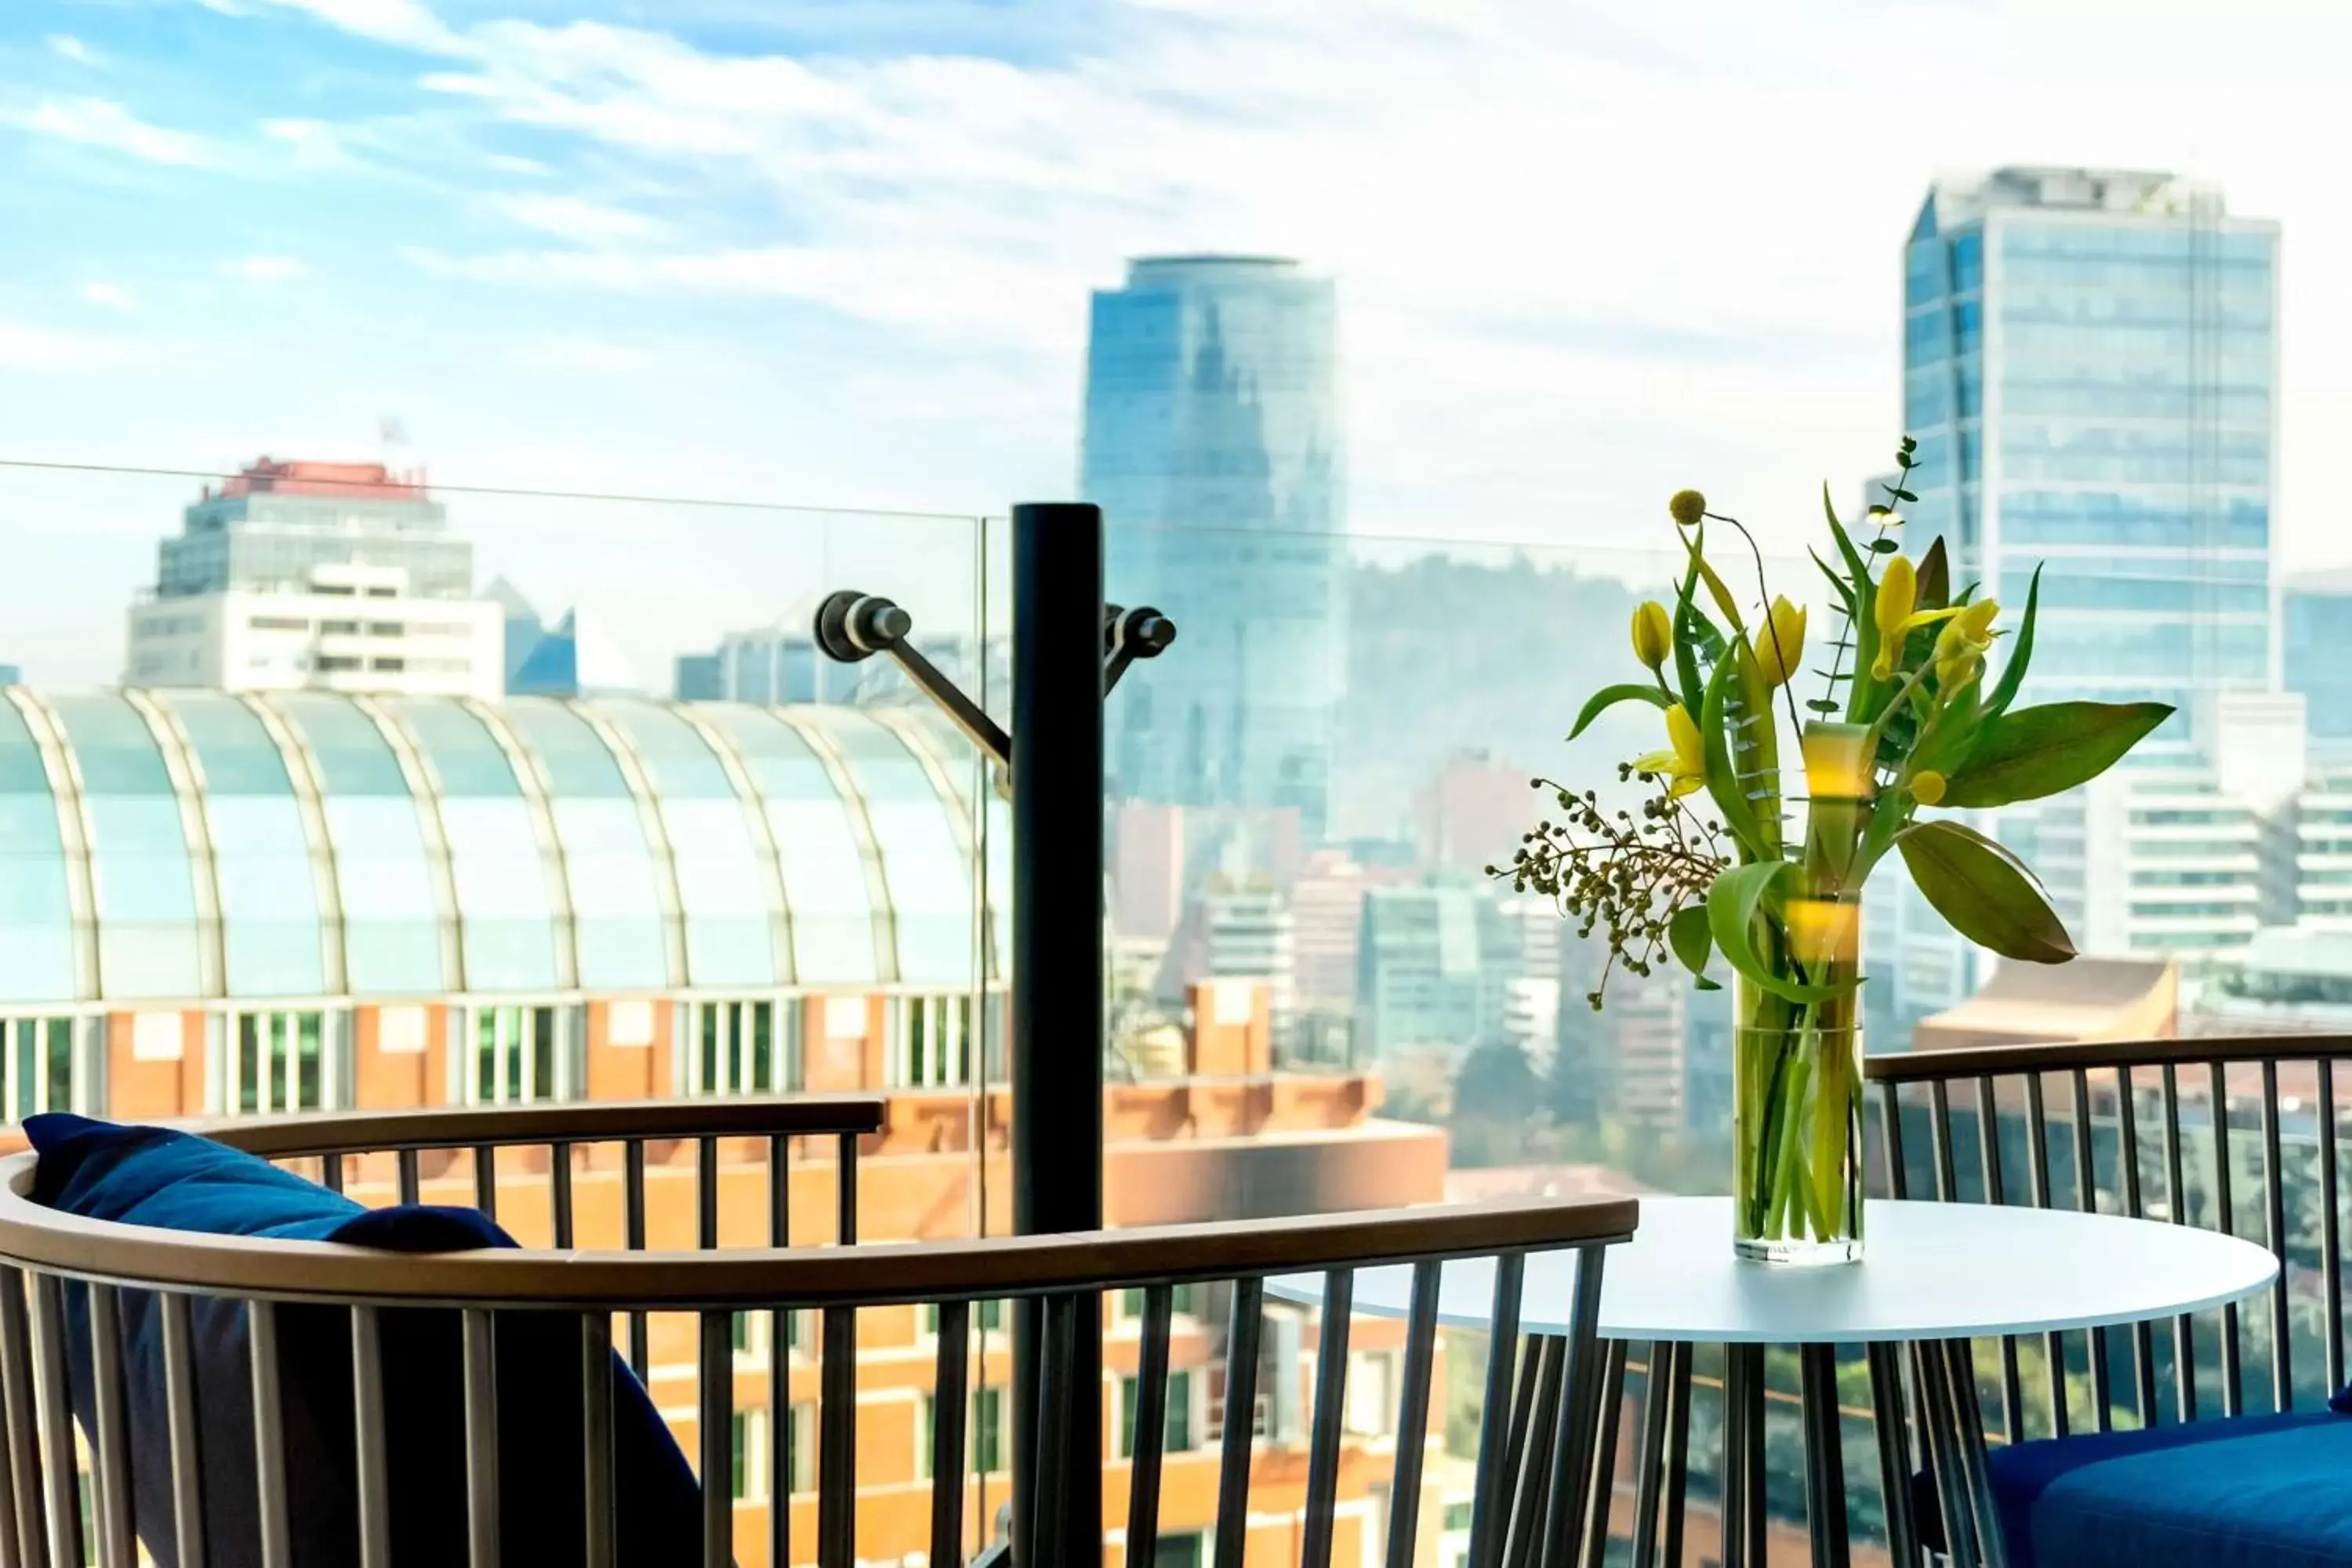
581, 221
66, 46
314, 143
107, 296
265, 269
572, 352
402, 22
512, 164
1586, 253
27, 347
103, 123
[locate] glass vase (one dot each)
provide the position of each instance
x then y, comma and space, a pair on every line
1796, 1122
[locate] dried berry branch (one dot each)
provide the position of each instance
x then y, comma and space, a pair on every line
1616, 872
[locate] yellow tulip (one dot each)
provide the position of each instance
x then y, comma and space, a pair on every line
1928, 786
1898, 591
1780, 646
1653, 636
1960, 646
1684, 766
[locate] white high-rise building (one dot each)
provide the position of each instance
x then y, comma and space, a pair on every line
339, 576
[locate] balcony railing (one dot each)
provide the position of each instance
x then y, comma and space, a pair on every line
130, 1288
2235, 1134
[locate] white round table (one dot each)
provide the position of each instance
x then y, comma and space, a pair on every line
1933, 1277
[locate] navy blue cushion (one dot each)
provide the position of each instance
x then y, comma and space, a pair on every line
2259, 1492
152, 1175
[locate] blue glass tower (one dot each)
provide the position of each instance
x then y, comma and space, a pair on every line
2318, 639
1213, 446
2090, 364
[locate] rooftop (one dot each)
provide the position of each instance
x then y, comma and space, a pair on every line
1957, 199
360, 481
1177, 268
429, 846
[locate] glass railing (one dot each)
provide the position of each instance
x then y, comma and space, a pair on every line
619, 828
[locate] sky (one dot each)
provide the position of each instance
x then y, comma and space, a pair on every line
824, 255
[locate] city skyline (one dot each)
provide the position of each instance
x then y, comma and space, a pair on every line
422, 209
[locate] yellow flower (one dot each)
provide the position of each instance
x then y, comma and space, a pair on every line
1928, 786
1780, 646
1688, 506
1898, 591
1824, 931
1684, 766
1653, 636
1960, 646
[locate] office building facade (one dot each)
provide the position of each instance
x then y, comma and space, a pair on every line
1212, 445
2090, 367
2315, 614
332, 577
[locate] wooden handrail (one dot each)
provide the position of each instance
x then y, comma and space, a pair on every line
590, 1121
35, 1237
2062, 1056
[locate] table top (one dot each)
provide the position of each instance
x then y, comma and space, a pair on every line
1929, 1271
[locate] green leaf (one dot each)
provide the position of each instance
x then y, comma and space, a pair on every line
1695, 543
2012, 671
1838, 585
1955, 732
1688, 934
1733, 904
1904, 495
1934, 577
1884, 547
1983, 891
1608, 697
1854, 563
1821, 705
1721, 774
1688, 620
2038, 751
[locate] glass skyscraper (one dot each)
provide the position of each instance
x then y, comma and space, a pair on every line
1213, 446
2090, 365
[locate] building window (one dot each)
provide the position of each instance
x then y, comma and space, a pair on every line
1187, 1550
36, 1056
742, 1047
985, 1440
383, 592
752, 1335
751, 1467
279, 624
281, 1062
987, 1317
1184, 1302
328, 663
1176, 1430
800, 1448
340, 628
383, 628
929, 1042
389, 666
1372, 1392
518, 1057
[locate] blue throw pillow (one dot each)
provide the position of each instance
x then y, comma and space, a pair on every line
154, 1177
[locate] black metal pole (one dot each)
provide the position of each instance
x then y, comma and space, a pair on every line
1057, 988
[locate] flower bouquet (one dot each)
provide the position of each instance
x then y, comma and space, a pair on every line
1755, 841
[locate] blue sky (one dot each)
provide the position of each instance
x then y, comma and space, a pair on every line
837, 254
